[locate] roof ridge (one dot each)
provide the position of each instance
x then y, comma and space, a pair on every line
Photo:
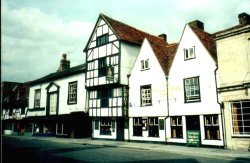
128, 25
133, 29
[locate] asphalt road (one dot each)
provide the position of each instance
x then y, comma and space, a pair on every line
16, 149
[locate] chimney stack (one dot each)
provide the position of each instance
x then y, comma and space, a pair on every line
163, 36
244, 18
197, 24
64, 63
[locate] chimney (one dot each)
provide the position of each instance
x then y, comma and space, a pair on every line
244, 18
163, 36
64, 63
197, 24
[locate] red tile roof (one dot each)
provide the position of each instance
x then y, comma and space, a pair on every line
208, 40
164, 54
131, 34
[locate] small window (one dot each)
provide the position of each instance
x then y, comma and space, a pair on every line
145, 64
192, 89
102, 67
189, 53
212, 127
101, 40
146, 98
37, 98
176, 127
72, 94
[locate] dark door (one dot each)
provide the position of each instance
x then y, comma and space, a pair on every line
120, 129
193, 122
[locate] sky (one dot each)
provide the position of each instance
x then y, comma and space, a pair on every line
35, 34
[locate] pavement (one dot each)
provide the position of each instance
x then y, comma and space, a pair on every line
238, 154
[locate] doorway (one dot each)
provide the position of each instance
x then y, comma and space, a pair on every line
193, 122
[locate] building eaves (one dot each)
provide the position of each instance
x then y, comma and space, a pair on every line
236, 30
58, 75
131, 34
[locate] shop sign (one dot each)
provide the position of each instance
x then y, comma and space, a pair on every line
193, 138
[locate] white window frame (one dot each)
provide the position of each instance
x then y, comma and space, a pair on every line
72, 97
145, 64
192, 89
137, 121
189, 53
53, 102
37, 98
146, 95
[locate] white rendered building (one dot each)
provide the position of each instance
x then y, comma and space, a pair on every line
148, 102
193, 102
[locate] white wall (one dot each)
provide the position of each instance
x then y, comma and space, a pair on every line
129, 54
154, 77
203, 66
234, 56
64, 108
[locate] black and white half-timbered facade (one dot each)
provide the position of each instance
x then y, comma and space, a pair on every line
110, 55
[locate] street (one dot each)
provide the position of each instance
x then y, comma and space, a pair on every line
33, 150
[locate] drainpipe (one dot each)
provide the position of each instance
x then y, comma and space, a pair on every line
168, 111
128, 109
221, 110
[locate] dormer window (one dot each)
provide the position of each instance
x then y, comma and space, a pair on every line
189, 53
101, 40
145, 64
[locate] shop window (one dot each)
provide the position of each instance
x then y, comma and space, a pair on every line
137, 127
105, 126
153, 127
212, 130
241, 117
176, 127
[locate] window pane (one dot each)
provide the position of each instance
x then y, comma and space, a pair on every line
192, 89
240, 112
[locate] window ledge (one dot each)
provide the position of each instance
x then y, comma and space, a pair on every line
154, 136
213, 139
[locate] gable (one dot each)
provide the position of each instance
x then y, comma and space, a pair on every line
146, 53
121, 31
202, 56
101, 28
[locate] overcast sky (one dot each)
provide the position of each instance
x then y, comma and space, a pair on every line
34, 34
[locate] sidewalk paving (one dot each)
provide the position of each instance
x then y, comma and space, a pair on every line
183, 150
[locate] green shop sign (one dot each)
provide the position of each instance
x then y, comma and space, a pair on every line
193, 138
